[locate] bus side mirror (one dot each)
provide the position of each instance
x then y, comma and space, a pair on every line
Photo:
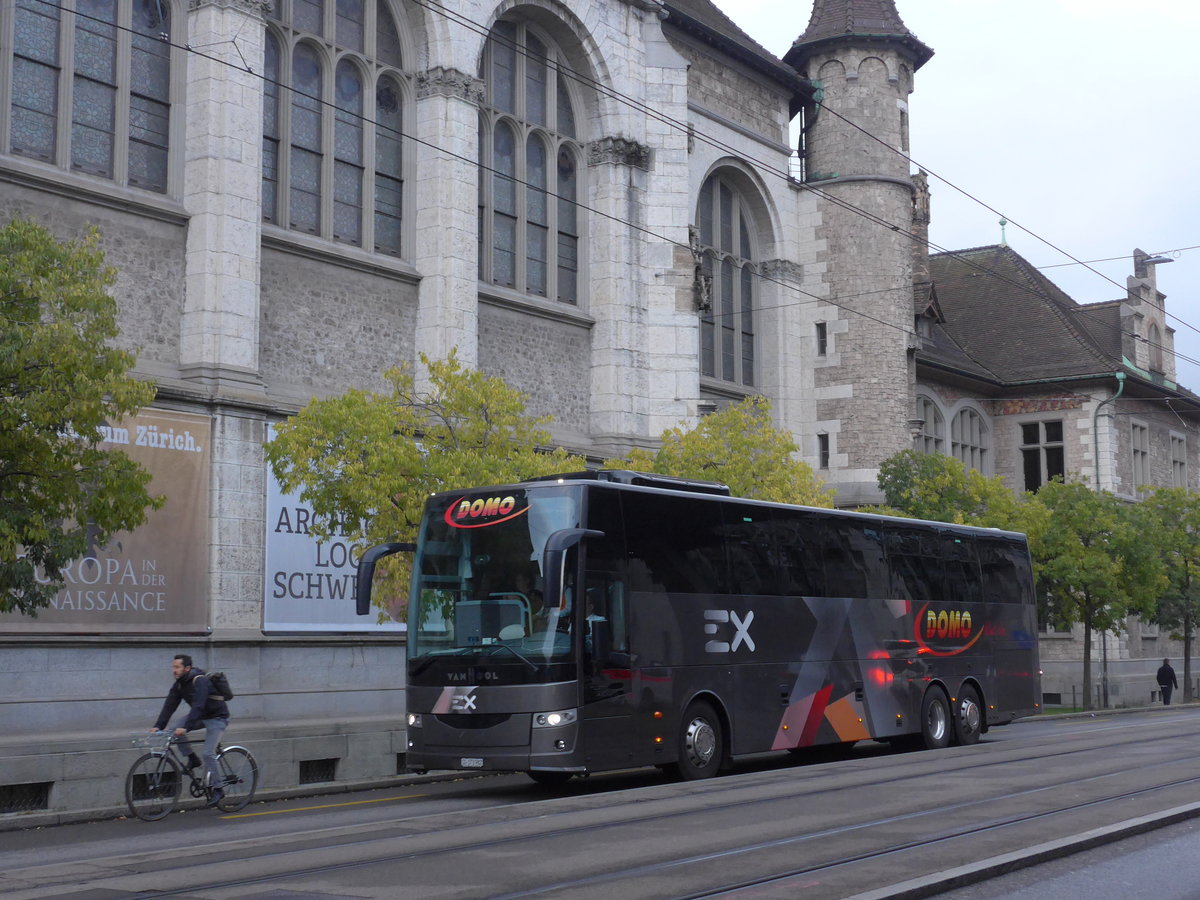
366, 572
554, 560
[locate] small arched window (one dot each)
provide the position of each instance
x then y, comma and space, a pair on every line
969, 440
91, 91
1156, 348
724, 226
932, 437
529, 224
341, 176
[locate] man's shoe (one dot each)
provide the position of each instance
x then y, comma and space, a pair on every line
215, 797
193, 761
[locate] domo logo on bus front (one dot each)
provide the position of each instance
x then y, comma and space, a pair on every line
483, 511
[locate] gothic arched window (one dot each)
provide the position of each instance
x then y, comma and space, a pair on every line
529, 224
932, 437
725, 227
969, 440
91, 91
332, 160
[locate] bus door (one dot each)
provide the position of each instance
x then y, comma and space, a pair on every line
607, 671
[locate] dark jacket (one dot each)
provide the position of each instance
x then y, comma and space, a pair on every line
1166, 675
204, 705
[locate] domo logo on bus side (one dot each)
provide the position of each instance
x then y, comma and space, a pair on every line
483, 511
953, 630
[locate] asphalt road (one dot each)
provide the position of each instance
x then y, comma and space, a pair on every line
871, 823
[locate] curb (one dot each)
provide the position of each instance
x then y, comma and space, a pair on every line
27, 821
962, 876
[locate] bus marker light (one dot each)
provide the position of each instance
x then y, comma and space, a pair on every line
785, 728
658, 740
658, 714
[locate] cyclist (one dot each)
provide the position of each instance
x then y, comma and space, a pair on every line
206, 710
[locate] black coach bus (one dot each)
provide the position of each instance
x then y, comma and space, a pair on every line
606, 620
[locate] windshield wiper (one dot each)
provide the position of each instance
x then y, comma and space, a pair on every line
518, 655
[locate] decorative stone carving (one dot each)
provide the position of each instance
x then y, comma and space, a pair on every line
256, 7
618, 151
442, 82
782, 270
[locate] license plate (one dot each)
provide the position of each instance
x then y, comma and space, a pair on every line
471, 762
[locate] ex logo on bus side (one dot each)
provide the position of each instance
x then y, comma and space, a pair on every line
741, 630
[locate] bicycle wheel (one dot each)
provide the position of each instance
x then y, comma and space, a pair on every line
239, 778
152, 786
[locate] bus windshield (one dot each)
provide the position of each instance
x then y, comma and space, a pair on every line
476, 609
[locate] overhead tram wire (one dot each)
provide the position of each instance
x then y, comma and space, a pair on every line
714, 142
1009, 220
486, 33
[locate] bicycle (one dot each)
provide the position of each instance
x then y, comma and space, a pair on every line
155, 780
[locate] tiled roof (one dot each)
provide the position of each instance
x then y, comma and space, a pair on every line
706, 21
834, 20
1011, 320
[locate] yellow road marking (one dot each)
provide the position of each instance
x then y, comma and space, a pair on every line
276, 812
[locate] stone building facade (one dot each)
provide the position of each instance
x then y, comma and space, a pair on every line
596, 199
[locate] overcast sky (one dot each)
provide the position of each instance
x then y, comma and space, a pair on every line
1078, 120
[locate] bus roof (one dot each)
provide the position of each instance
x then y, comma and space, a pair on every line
623, 479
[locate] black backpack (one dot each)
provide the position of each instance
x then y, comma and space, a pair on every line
218, 685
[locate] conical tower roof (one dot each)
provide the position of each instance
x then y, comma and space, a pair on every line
856, 21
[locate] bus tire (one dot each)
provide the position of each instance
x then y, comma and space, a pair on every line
550, 779
936, 727
968, 716
701, 744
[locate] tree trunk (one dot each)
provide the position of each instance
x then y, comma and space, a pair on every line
1087, 665
1187, 657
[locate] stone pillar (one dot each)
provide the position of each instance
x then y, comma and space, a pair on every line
447, 199
222, 192
617, 298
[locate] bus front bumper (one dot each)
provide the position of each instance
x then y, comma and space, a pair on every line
513, 746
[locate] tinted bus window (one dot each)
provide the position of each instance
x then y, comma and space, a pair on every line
961, 568
797, 553
675, 544
752, 564
853, 560
1002, 564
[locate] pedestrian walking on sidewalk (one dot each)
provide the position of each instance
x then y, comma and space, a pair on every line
1166, 681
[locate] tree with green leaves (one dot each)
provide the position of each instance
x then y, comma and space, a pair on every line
941, 489
1092, 561
366, 461
1173, 517
741, 447
61, 380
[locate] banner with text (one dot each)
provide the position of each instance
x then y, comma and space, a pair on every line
309, 584
155, 578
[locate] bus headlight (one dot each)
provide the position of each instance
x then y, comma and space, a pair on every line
414, 720
554, 719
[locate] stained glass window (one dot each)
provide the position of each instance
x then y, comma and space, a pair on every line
79, 74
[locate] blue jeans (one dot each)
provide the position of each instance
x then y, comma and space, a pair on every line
213, 729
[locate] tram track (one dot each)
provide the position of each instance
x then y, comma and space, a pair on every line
578, 819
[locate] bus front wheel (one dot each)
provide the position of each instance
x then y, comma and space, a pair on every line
935, 719
701, 742
968, 716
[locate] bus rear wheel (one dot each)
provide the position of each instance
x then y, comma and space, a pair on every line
701, 744
968, 716
935, 719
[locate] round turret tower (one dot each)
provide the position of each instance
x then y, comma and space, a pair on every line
862, 59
